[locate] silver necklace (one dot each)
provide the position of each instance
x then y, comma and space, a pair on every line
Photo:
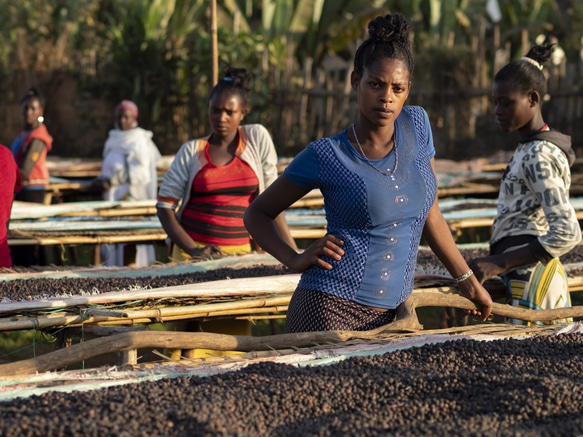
391, 174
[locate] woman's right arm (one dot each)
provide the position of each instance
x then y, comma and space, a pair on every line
259, 220
33, 153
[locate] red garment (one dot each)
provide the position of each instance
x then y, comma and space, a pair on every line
10, 181
40, 173
220, 195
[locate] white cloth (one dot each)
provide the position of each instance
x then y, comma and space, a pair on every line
113, 255
129, 162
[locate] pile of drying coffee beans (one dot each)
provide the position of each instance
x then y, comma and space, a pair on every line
511, 387
38, 288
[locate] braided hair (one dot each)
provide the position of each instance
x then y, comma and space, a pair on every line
388, 38
525, 74
236, 81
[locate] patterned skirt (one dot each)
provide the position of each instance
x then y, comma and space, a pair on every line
538, 287
311, 311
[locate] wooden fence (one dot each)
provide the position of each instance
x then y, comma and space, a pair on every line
460, 108
304, 103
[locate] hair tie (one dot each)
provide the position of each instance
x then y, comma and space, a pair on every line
228, 79
532, 61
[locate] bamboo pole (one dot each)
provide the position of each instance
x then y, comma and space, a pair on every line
77, 239
274, 302
468, 189
148, 316
406, 321
485, 222
307, 234
197, 309
276, 285
308, 203
113, 212
242, 314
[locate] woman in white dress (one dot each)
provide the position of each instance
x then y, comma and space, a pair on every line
128, 172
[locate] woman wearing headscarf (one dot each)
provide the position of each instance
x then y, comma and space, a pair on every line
128, 172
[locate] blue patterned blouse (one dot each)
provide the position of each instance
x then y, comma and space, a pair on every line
379, 217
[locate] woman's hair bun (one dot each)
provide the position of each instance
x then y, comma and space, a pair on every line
541, 53
33, 93
240, 77
392, 28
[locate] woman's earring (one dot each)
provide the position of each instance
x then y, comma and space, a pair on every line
40, 119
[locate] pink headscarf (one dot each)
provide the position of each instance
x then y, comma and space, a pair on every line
129, 105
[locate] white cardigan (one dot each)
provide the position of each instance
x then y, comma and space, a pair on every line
255, 147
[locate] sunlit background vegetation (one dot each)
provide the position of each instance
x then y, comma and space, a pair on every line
86, 55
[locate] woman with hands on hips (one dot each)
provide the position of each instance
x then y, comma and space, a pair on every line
378, 181
213, 179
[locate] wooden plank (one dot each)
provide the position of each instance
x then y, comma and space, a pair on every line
486, 222
406, 322
114, 212
77, 239
307, 234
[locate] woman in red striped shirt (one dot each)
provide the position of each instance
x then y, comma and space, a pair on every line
212, 180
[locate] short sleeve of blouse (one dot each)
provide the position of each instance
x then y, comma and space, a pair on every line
304, 169
429, 136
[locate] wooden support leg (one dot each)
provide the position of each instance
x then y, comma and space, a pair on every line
128, 357
72, 252
97, 255
64, 339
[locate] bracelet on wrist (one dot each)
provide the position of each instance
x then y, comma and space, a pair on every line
463, 277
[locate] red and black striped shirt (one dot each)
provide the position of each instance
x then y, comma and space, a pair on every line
220, 195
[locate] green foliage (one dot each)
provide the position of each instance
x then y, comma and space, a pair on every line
572, 32
304, 28
149, 49
158, 52
20, 345
46, 35
151, 45
451, 69
536, 16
